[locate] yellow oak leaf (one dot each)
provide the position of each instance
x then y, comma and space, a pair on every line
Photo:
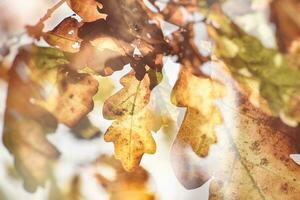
134, 96
131, 130
198, 95
67, 94
132, 138
75, 96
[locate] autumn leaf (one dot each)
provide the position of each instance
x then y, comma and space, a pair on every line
74, 98
65, 35
103, 56
26, 126
46, 58
32, 111
198, 95
68, 95
197, 132
124, 37
125, 185
258, 69
255, 161
131, 130
250, 161
88, 10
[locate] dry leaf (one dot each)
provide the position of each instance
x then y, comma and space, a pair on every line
131, 130
88, 10
75, 96
258, 70
197, 132
125, 185
68, 95
255, 161
65, 35
126, 36
26, 126
103, 55
198, 95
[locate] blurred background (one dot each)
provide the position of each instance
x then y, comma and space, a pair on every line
78, 154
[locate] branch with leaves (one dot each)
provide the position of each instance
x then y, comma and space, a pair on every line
59, 83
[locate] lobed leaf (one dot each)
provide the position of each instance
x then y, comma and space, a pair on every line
26, 126
131, 130
198, 95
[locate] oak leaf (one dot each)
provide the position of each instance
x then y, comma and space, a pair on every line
34, 109
103, 56
198, 95
88, 10
75, 96
258, 70
126, 36
131, 130
197, 133
65, 35
67, 93
26, 126
255, 161
125, 185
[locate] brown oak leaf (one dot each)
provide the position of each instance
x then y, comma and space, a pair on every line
65, 35
88, 10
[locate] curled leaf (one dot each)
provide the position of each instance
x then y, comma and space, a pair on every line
88, 10
65, 35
